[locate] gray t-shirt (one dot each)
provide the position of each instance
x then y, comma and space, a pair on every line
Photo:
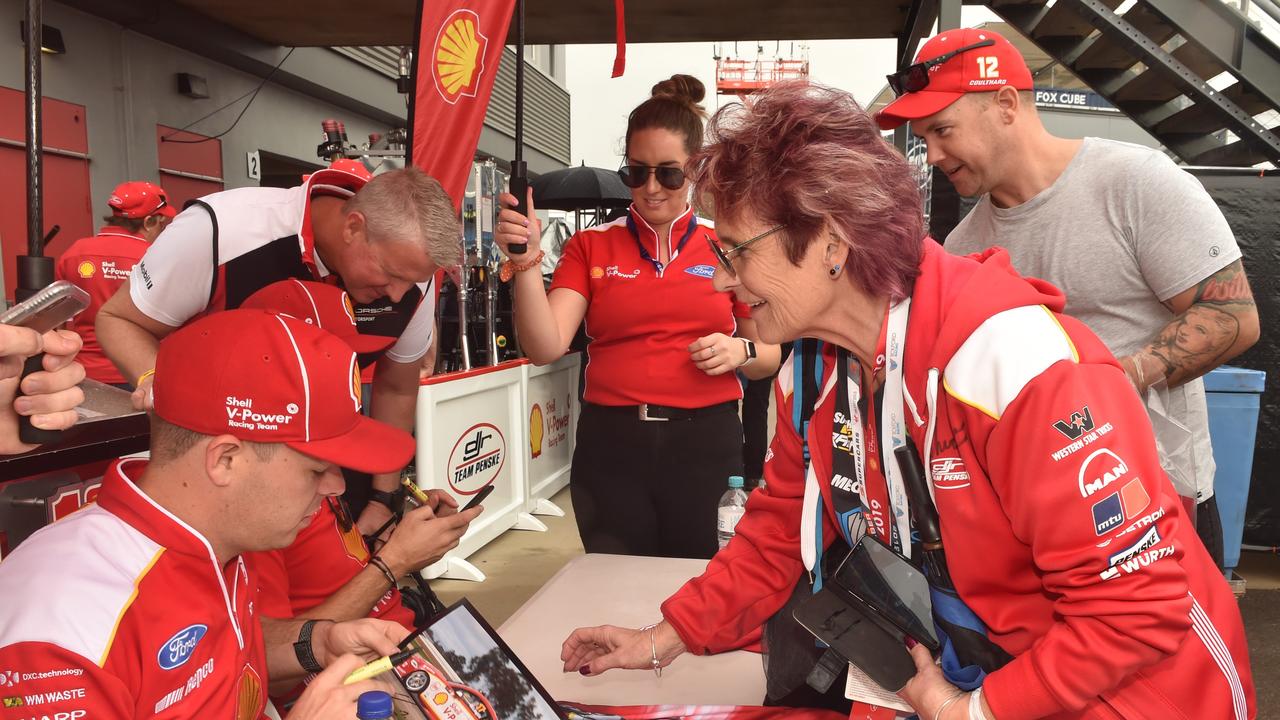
1121, 230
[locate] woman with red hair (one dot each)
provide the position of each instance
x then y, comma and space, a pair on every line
1064, 536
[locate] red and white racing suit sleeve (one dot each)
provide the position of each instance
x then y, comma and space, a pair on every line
1119, 589
170, 284
42, 680
753, 576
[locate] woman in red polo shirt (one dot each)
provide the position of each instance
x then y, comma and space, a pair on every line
659, 432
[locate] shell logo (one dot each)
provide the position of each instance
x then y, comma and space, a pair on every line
597, 272
351, 310
86, 269
459, 55
249, 700
356, 386
535, 430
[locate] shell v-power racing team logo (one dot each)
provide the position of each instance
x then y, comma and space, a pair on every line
459, 55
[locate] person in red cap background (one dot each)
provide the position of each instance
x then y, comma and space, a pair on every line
255, 413
100, 264
1145, 256
328, 571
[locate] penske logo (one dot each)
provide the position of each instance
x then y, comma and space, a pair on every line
949, 473
459, 56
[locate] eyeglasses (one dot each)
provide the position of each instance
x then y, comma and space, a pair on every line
722, 255
635, 176
916, 77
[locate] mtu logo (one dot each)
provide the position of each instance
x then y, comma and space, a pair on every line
177, 649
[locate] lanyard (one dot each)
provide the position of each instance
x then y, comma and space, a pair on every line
644, 252
867, 501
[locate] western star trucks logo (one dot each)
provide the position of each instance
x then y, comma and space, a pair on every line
1078, 424
477, 458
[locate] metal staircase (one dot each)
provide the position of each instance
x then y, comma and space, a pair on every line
1196, 74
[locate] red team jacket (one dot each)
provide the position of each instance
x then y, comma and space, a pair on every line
641, 320
1062, 532
99, 265
125, 613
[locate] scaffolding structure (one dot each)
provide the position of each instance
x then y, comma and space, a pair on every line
742, 77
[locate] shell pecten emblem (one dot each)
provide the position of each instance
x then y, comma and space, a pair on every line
459, 55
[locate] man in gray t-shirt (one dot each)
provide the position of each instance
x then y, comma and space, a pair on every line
1145, 257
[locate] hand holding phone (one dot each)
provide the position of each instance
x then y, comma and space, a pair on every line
479, 497
44, 311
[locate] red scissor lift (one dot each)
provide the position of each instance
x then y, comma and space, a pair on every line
743, 77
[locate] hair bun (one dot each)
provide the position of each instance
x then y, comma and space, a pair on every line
685, 88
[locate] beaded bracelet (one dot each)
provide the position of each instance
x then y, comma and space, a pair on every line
511, 267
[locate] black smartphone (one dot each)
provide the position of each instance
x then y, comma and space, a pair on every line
888, 585
480, 496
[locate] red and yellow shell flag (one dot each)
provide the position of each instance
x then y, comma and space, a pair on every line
460, 43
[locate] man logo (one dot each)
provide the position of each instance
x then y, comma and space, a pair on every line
459, 55
86, 269
1078, 424
1099, 470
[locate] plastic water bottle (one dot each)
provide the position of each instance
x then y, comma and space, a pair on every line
374, 705
733, 503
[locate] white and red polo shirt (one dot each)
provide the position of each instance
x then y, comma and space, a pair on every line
122, 610
642, 316
99, 265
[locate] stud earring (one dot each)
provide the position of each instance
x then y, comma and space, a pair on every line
834, 269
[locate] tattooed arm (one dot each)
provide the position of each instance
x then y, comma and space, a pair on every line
1215, 320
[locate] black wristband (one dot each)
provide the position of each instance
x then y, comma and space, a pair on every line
394, 500
386, 570
302, 648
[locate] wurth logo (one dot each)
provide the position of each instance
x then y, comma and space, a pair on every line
1078, 424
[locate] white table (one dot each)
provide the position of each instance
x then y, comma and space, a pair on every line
626, 591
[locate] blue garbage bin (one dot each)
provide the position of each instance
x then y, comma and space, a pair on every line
1233, 396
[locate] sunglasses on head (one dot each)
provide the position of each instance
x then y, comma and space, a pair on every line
635, 176
916, 77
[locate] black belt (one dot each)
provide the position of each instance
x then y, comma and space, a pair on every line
662, 413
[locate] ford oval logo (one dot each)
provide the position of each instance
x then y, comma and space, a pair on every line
177, 650
703, 271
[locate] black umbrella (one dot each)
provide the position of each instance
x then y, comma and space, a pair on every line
578, 188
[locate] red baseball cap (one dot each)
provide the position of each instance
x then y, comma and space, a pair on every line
984, 69
271, 378
327, 307
138, 199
